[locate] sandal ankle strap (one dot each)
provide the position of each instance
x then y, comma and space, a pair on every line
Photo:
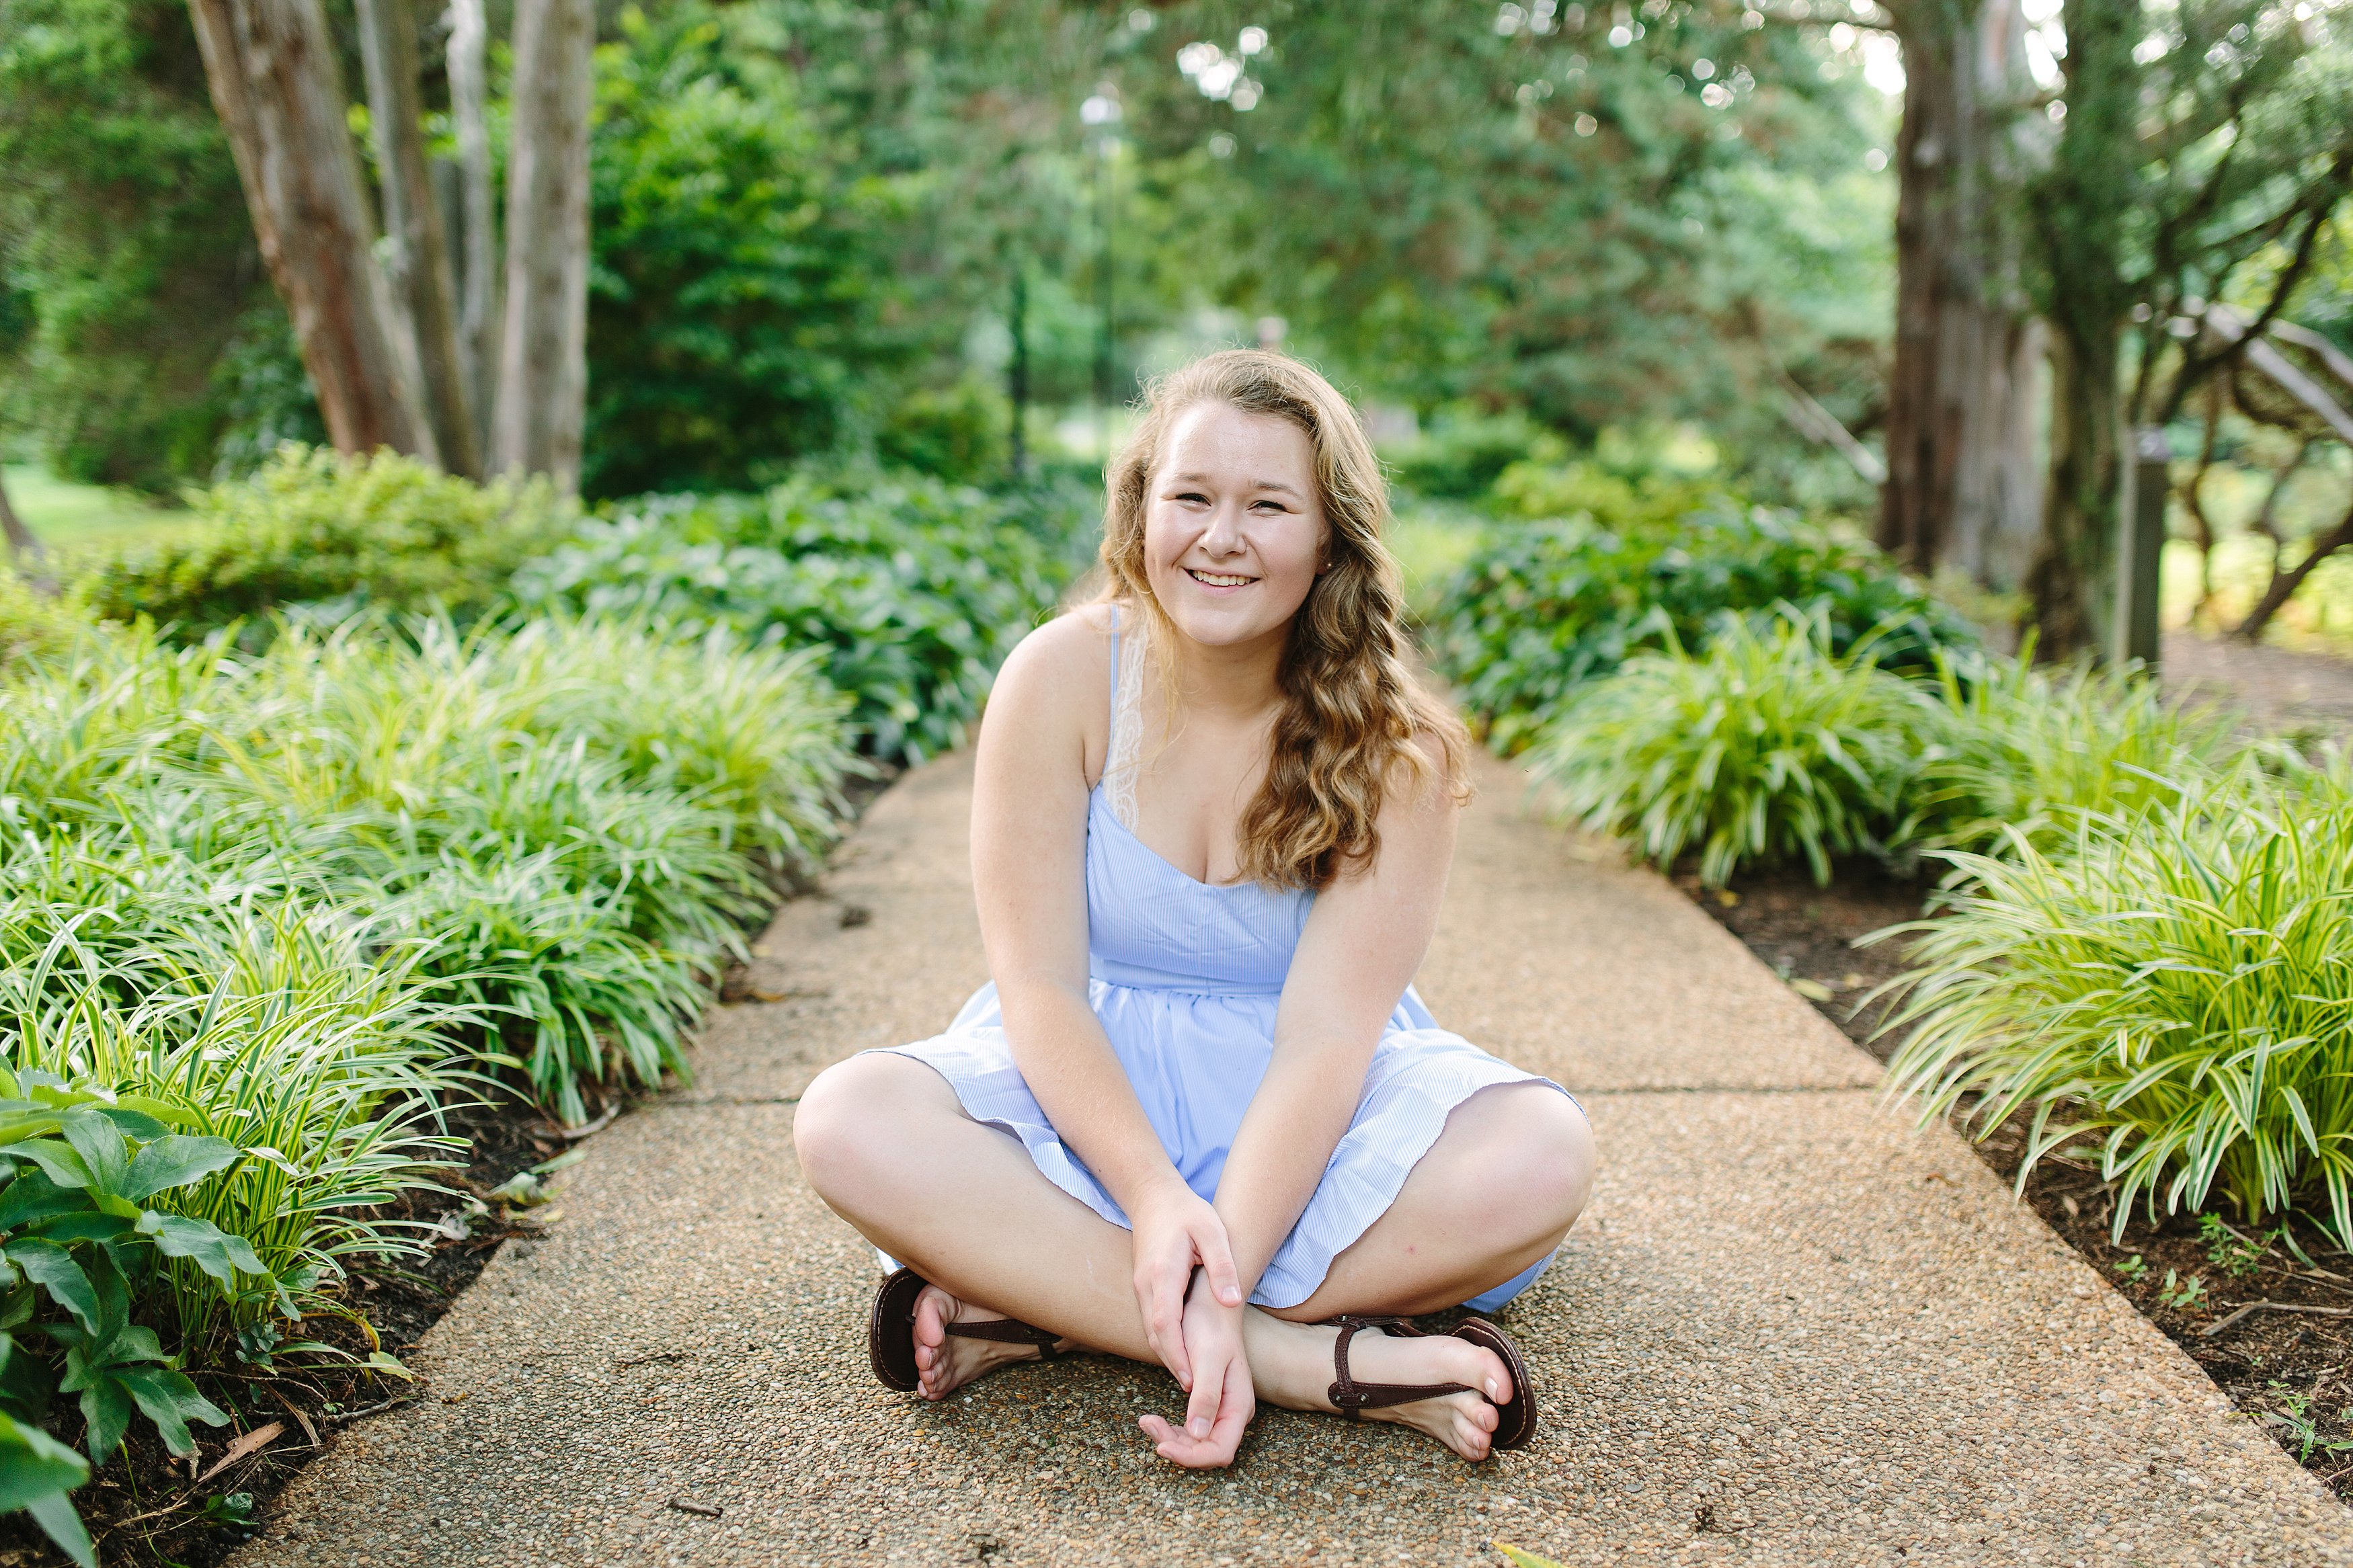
1355, 1398
1009, 1331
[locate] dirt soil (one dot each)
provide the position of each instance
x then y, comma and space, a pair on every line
2268, 1315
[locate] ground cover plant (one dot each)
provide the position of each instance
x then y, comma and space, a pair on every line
913, 591
1548, 605
292, 907
1764, 746
314, 525
2173, 987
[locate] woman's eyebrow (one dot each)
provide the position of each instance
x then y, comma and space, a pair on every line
1254, 484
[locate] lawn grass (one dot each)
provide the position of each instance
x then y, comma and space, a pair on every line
71, 517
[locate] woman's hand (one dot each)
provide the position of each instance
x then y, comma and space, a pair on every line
1177, 1232
1223, 1398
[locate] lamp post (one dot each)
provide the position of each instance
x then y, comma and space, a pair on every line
1100, 114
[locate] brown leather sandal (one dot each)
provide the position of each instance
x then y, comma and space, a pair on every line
890, 1331
1517, 1420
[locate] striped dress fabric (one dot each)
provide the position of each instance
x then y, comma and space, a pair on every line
1185, 976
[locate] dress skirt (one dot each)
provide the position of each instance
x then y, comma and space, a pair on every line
1195, 1059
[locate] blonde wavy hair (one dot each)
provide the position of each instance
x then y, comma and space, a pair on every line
1356, 725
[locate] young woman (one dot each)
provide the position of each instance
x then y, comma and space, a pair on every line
1201, 1116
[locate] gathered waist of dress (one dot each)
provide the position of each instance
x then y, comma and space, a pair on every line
1143, 977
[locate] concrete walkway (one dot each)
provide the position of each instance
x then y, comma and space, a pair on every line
1790, 1330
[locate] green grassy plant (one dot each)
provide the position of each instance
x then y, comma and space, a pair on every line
312, 525
1542, 607
2170, 993
2024, 747
910, 591
1765, 746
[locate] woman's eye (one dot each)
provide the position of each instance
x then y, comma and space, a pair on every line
1194, 496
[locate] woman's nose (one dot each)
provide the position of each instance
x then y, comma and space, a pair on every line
1224, 535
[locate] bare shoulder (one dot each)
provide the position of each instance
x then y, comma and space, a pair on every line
1057, 660
1050, 698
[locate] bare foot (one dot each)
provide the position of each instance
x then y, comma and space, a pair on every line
1300, 1363
945, 1361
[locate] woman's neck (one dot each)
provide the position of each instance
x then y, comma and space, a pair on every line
1236, 681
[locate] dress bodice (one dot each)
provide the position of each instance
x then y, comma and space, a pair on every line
1148, 923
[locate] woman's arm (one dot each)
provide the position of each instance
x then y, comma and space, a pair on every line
1365, 939
1029, 861
1363, 942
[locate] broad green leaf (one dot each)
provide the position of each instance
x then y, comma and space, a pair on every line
58, 1161
175, 1161
54, 1513
212, 1249
33, 1196
106, 1406
102, 1149
53, 1268
170, 1400
35, 1473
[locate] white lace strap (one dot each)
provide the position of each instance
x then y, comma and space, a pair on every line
1126, 746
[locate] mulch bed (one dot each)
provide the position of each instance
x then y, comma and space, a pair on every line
2273, 1330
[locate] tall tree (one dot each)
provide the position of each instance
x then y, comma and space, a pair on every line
417, 252
1961, 488
478, 313
542, 363
271, 67
2203, 150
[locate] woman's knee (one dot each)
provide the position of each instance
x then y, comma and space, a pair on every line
843, 1125
1544, 1145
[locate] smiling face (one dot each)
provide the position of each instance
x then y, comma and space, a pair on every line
1234, 532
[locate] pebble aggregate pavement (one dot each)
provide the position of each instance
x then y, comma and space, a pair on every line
1792, 1330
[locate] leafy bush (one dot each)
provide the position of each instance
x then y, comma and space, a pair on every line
312, 525
1545, 606
1462, 450
555, 822
2176, 988
2021, 748
739, 265
32, 622
1764, 746
913, 591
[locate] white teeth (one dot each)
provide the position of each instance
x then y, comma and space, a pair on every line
1215, 580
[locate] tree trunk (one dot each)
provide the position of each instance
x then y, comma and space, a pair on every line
543, 358
271, 68
2071, 583
21, 541
416, 254
478, 313
2079, 213
1961, 488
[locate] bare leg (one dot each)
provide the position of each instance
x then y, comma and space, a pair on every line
884, 1141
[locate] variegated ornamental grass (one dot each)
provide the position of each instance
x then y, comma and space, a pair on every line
2170, 993
1762, 746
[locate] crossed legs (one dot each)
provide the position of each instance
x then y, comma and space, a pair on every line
884, 1141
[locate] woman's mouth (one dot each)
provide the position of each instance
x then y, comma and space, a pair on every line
1219, 579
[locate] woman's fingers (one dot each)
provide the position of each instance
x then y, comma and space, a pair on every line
1160, 1291
1180, 1445
1218, 1260
1207, 1398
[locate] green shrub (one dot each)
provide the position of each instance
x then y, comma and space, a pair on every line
955, 433
1765, 746
312, 526
2174, 989
1462, 450
2018, 747
32, 622
1544, 608
913, 591
607, 782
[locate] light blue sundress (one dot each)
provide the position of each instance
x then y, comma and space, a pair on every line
1185, 976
